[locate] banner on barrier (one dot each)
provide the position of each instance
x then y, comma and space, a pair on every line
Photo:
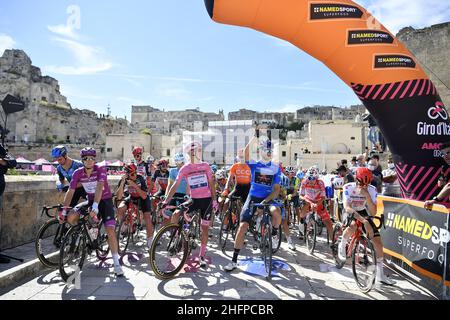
415, 235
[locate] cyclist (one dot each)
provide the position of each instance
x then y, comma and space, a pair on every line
360, 200
221, 181
94, 181
240, 175
338, 184
143, 166
173, 174
134, 187
199, 177
150, 163
161, 177
283, 199
292, 197
66, 168
312, 192
264, 188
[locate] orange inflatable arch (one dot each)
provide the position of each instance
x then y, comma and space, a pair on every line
367, 57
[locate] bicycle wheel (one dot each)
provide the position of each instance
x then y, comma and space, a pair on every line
266, 248
194, 233
48, 242
225, 232
364, 262
169, 256
123, 234
320, 226
336, 239
72, 253
102, 249
311, 234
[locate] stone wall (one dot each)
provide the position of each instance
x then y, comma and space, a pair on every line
431, 46
24, 197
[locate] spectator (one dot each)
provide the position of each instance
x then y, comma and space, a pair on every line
360, 161
376, 159
6, 162
443, 196
377, 180
391, 186
345, 173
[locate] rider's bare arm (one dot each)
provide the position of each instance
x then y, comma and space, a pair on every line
68, 197
274, 194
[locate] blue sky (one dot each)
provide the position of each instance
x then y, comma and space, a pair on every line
170, 55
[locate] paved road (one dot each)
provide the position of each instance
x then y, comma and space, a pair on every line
299, 275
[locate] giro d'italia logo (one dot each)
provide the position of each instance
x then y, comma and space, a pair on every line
438, 112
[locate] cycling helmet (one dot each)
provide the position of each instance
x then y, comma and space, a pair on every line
300, 174
163, 162
214, 168
59, 151
312, 174
220, 174
86, 152
179, 158
130, 168
266, 145
137, 150
150, 159
284, 181
364, 175
338, 182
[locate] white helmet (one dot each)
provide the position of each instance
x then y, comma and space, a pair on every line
312, 173
220, 174
179, 158
150, 159
338, 182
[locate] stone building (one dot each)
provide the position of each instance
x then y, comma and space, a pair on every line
48, 117
431, 47
276, 118
120, 146
307, 114
162, 121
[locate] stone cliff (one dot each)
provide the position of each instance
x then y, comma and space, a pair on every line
431, 46
48, 117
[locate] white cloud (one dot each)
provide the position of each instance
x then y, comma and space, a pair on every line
89, 59
6, 42
396, 14
65, 31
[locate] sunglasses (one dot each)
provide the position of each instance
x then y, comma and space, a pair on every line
88, 159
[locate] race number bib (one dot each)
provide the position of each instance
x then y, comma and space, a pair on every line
264, 179
198, 181
90, 187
